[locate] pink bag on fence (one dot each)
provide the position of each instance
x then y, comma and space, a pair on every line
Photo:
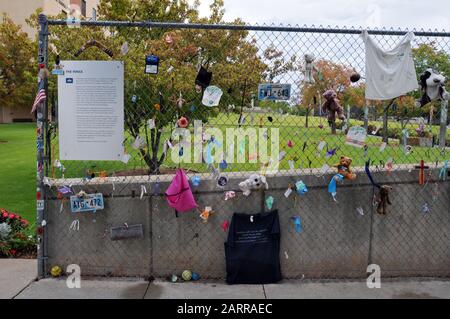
179, 194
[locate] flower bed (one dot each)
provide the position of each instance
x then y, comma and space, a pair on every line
14, 242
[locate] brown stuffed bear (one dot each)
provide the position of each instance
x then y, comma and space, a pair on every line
344, 168
383, 199
332, 107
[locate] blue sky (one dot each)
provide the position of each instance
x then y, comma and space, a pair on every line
429, 14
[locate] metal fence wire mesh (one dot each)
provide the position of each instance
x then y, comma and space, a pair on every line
240, 58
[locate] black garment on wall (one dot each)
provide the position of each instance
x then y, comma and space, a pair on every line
252, 250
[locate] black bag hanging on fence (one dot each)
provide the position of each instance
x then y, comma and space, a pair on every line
253, 248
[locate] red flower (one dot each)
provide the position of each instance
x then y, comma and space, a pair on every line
13, 252
183, 122
11, 216
24, 222
18, 217
5, 215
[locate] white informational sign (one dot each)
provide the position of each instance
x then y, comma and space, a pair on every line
91, 110
356, 136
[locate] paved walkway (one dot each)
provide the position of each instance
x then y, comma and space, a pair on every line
16, 275
17, 280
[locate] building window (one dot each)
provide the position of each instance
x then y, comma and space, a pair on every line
83, 8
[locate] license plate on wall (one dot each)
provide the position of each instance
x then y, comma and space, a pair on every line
88, 203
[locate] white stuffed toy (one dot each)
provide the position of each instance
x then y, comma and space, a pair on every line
433, 86
309, 68
255, 181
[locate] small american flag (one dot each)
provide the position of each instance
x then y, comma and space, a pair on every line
40, 97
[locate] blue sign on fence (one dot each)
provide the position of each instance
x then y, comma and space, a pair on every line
274, 92
151, 64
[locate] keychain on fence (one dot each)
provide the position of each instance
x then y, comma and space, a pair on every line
269, 202
428, 178
156, 186
143, 191
75, 225
389, 165
425, 209
297, 223
435, 191
443, 171
323, 171
61, 206
288, 191
360, 211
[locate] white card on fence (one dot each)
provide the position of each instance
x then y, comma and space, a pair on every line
291, 164
151, 124
321, 145
126, 158
382, 146
288, 192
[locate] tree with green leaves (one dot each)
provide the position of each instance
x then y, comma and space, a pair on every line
17, 69
428, 56
229, 55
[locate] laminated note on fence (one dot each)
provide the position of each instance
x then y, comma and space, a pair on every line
127, 232
91, 110
356, 136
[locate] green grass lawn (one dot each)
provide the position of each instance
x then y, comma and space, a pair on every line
17, 148
291, 128
18, 169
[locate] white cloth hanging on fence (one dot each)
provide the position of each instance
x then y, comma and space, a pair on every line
389, 74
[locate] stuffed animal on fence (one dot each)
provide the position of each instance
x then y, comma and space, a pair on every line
433, 87
332, 107
309, 68
255, 181
344, 169
383, 199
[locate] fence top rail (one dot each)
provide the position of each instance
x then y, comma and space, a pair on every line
178, 25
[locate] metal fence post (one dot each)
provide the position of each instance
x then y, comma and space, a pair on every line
443, 128
366, 114
41, 118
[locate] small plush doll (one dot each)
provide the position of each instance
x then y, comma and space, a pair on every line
433, 86
255, 181
333, 108
309, 68
383, 199
344, 169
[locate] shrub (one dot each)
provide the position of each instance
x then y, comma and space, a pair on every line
13, 240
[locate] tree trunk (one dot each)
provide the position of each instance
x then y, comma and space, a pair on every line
385, 121
385, 126
366, 115
333, 127
307, 117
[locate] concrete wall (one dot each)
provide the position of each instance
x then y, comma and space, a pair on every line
336, 242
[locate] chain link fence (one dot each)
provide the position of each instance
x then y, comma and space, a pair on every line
337, 238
